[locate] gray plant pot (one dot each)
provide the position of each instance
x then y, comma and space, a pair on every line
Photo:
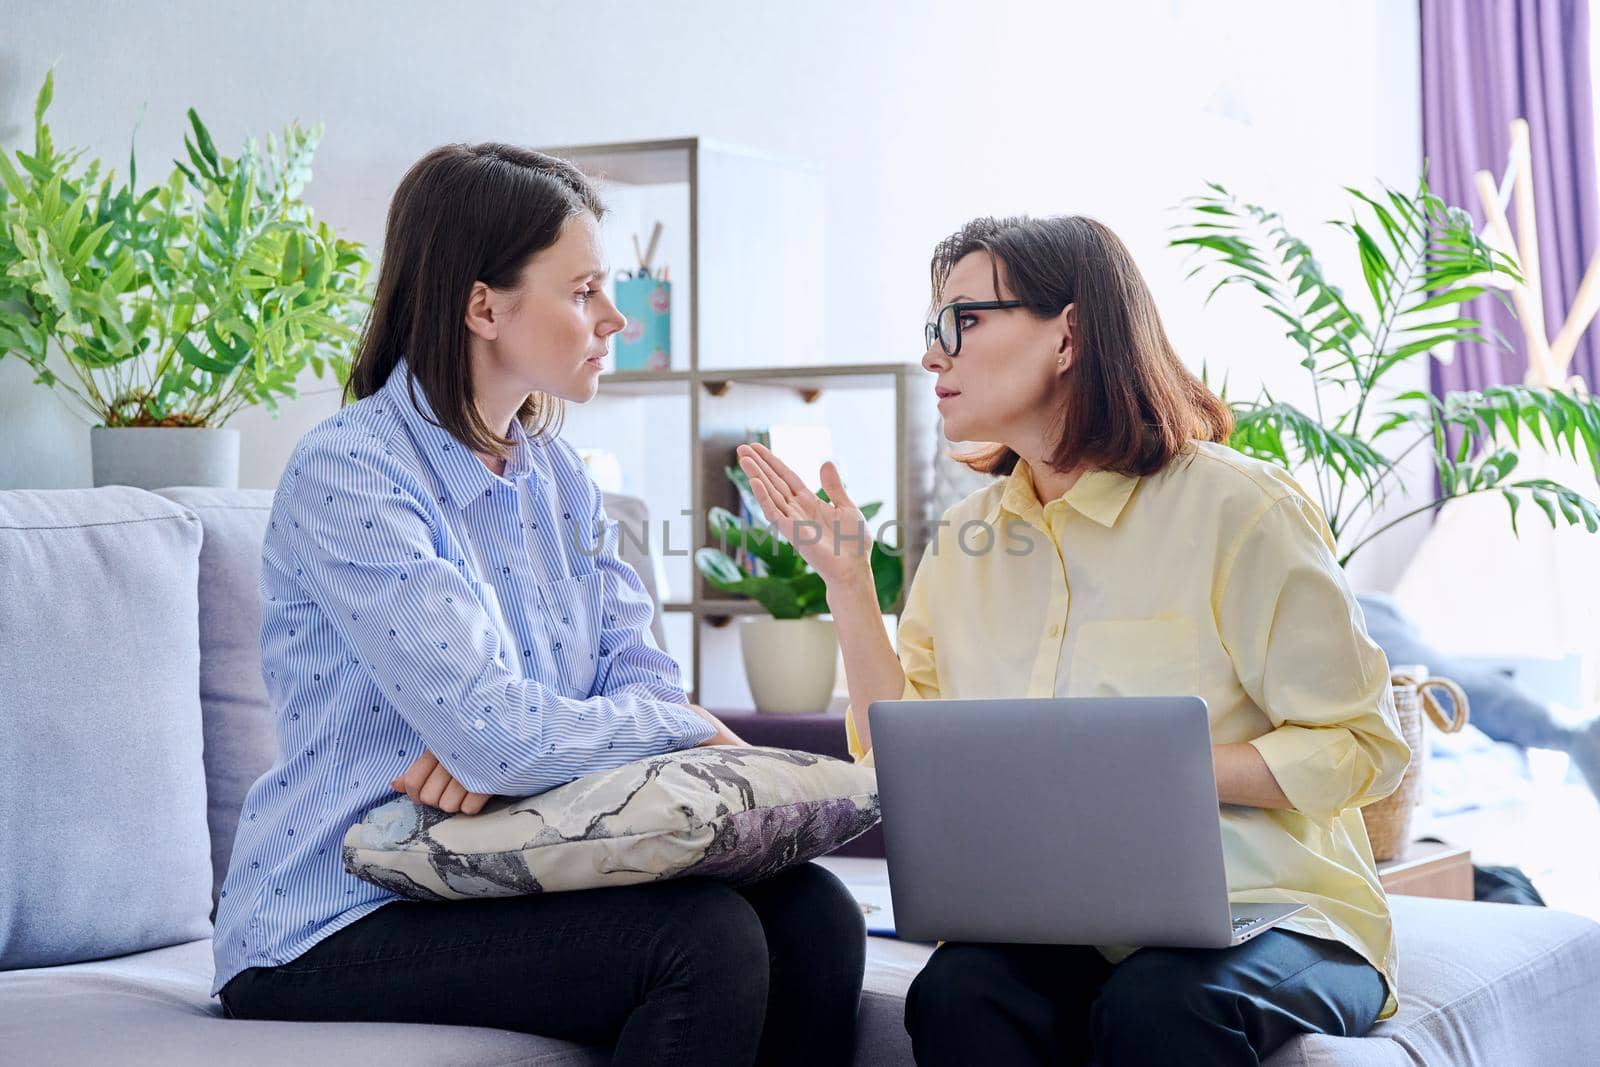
156, 457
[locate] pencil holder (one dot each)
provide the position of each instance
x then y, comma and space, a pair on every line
645, 343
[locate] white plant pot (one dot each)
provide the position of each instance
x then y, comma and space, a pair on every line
789, 663
157, 457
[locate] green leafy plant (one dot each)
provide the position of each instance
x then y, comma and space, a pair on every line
789, 589
180, 304
1421, 260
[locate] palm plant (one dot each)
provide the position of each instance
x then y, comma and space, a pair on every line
1421, 259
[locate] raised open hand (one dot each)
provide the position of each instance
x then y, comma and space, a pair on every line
830, 535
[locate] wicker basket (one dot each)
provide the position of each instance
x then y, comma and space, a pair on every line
1389, 820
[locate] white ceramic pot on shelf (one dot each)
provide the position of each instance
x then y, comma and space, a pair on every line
156, 457
789, 663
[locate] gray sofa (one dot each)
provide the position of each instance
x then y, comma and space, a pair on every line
135, 718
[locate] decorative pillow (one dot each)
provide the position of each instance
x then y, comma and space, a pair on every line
737, 814
103, 846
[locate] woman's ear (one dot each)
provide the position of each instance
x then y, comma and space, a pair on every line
480, 312
1065, 336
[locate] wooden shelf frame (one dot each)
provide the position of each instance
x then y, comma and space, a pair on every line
681, 160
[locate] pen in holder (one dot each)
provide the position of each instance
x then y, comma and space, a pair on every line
645, 297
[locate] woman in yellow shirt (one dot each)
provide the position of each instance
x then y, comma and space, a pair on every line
1125, 551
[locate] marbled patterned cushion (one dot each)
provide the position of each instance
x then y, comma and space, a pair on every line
736, 814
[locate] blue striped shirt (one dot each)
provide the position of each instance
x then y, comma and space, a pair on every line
412, 599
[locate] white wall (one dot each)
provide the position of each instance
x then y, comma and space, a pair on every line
920, 115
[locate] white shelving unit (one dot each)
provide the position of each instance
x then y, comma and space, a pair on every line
747, 326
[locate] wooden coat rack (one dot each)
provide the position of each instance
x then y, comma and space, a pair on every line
1549, 361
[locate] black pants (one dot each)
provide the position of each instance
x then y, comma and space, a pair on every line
1027, 1004
679, 972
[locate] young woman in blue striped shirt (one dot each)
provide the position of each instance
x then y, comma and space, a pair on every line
436, 620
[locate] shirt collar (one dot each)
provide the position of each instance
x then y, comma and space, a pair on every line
1097, 495
464, 476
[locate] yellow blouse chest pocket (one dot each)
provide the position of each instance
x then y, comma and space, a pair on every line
1134, 658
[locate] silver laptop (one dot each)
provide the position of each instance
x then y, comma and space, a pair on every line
1079, 821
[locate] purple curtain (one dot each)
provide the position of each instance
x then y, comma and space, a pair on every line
1484, 63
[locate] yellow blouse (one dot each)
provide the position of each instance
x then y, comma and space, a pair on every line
1215, 577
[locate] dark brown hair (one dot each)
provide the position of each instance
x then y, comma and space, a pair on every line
1130, 404
462, 214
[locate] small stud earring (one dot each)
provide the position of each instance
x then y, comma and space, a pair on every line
1061, 363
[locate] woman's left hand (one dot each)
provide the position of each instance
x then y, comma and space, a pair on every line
723, 736
427, 782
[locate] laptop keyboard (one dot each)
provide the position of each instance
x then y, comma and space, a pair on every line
1245, 922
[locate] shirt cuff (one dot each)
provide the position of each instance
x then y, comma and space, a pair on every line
695, 729
853, 741
861, 755
1318, 768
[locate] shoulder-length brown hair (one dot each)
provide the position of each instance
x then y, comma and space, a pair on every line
1130, 404
462, 214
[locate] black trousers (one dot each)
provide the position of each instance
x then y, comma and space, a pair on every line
680, 972
1028, 1004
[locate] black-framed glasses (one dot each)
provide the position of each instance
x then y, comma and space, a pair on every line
946, 326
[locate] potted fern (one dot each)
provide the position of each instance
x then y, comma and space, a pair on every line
1421, 260
175, 306
790, 657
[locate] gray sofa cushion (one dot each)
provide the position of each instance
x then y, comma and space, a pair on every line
103, 829
240, 739
153, 1009
1500, 984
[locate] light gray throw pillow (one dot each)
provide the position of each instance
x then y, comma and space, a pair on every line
103, 845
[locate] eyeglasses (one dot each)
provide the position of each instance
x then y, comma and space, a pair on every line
946, 326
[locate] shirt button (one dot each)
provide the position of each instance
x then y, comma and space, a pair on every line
1055, 630
478, 724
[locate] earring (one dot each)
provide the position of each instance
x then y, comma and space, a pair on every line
1061, 363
